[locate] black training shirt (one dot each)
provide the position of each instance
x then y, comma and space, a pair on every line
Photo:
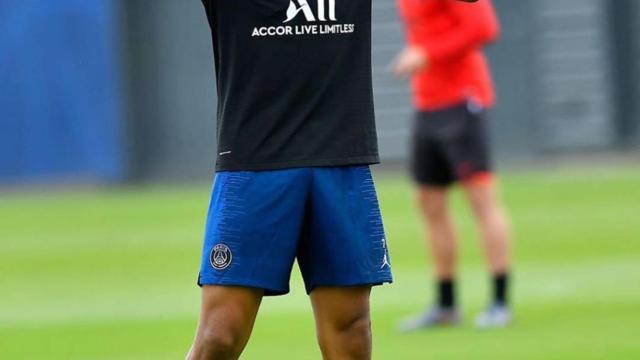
294, 83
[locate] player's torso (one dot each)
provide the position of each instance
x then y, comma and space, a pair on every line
451, 81
294, 80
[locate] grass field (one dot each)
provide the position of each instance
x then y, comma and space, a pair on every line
110, 274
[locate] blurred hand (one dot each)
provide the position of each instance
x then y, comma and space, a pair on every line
410, 61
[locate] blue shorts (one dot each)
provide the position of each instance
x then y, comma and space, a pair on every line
328, 219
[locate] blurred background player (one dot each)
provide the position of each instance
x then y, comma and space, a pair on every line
452, 92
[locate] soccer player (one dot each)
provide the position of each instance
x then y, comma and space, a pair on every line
296, 136
452, 93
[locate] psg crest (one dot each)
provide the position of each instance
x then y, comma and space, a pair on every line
220, 257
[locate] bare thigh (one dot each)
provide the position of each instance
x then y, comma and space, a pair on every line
226, 321
343, 322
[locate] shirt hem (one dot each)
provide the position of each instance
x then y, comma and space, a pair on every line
351, 161
421, 104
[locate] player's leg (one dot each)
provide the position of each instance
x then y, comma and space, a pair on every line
475, 175
441, 239
474, 171
250, 245
494, 229
433, 175
342, 254
442, 242
226, 320
343, 322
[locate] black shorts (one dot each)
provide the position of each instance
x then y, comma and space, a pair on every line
451, 145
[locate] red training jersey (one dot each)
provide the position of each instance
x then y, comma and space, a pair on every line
452, 33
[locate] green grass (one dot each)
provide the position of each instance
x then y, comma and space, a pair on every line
111, 274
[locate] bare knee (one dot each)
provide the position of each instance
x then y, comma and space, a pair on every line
434, 212
484, 201
358, 326
221, 344
351, 334
433, 203
228, 315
